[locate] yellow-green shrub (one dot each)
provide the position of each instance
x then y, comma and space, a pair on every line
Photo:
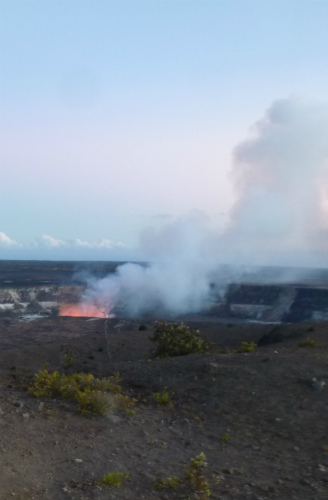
195, 476
164, 398
93, 395
176, 339
95, 402
169, 482
307, 343
193, 479
115, 478
245, 347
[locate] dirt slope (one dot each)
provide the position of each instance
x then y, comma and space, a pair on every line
260, 418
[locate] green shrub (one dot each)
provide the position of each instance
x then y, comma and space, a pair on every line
142, 328
193, 479
115, 479
245, 347
68, 360
195, 476
169, 482
225, 437
164, 398
95, 402
110, 384
177, 340
307, 343
125, 403
94, 396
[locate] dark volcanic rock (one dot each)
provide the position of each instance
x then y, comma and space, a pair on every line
34, 307
278, 334
309, 304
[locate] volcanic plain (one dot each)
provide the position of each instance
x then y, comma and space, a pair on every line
259, 417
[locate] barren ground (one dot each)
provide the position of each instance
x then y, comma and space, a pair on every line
276, 417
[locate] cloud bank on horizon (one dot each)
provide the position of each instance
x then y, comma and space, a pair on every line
47, 247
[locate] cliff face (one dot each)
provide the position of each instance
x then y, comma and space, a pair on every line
267, 303
288, 303
41, 300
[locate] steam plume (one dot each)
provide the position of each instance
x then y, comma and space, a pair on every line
280, 178
176, 281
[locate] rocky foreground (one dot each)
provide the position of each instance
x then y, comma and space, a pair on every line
260, 418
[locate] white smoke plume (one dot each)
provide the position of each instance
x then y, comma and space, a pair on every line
280, 217
177, 279
280, 176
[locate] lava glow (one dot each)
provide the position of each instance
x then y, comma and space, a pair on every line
81, 310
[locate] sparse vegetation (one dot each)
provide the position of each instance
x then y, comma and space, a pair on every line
164, 398
68, 360
115, 479
125, 403
193, 479
94, 396
176, 339
169, 482
95, 402
307, 343
215, 395
225, 437
245, 347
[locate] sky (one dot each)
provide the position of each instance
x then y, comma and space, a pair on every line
119, 117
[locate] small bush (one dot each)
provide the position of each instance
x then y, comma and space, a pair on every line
225, 437
68, 360
307, 343
245, 347
94, 396
125, 403
195, 477
177, 340
110, 384
115, 479
164, 398
169, 482
95, 402
142, 328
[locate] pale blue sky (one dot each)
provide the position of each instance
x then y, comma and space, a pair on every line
117, 115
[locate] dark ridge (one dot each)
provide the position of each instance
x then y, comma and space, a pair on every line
22, 273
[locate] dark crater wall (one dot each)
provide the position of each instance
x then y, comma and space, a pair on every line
288, 303
40, 287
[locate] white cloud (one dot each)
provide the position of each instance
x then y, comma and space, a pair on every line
47, 241
6, 241
51, 242
103, 243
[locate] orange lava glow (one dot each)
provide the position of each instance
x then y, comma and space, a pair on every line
81, 310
